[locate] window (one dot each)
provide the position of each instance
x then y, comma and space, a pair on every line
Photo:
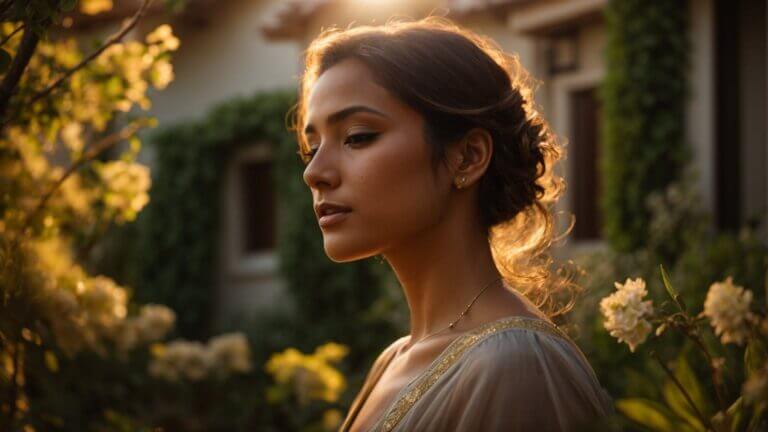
258, 208
584, 181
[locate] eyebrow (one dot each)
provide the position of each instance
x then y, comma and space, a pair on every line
342, 114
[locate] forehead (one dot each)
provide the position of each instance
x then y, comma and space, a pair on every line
345, 84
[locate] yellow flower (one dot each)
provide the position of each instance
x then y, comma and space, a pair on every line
93, 7
126, 187
71, 134
161, 74
283, 365
625, 312
309, 376
332, 419
331, 352
163, 35
727, 307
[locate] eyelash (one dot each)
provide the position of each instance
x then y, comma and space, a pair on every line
369, 136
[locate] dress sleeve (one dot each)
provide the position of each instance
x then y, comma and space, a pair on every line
516, 380
521, 380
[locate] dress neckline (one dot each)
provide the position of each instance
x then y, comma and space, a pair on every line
412, 392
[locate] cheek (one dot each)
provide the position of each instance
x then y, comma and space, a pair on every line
398, 188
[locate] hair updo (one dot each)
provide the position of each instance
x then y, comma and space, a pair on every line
458, 80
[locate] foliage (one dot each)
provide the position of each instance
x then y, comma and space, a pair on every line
179, 232
682, 239
63, 117
190, 161
644, 95
688, 405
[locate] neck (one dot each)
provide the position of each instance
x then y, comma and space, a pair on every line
441, 270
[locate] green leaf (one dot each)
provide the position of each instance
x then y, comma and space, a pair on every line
757, 417
67, 5
754, 356
677, 400
647, 413
5, 61
736, 414
668, 285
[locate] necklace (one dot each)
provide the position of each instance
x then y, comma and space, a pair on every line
461, 315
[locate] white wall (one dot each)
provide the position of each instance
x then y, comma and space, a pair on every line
700, 111
223, 57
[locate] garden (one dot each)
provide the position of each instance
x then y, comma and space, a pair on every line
106, 279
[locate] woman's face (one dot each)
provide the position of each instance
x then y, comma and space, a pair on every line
370, 157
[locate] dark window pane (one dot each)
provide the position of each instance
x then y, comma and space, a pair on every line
258, 206
584, 181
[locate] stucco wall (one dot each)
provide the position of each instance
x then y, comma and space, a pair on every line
221, 56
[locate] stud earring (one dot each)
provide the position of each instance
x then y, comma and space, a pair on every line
460, 182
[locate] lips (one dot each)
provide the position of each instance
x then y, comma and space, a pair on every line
329, 213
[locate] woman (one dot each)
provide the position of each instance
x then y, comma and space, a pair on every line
422, 145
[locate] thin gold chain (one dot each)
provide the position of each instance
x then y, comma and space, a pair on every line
461, 315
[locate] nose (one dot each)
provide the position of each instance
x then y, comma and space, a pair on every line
321, 172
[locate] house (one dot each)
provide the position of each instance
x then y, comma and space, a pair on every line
236, 47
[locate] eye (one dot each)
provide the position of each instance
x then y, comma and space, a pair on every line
352, 140
361, 138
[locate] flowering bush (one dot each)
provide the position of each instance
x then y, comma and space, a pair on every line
301, 379
74, 348
729, 311
222, 356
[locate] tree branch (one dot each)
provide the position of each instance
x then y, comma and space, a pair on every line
13, 33
26, 48
115, 38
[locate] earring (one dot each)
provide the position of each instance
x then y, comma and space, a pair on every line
460, 182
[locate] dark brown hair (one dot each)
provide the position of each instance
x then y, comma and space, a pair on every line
459, 80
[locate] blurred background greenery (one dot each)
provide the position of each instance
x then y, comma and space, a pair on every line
246, 324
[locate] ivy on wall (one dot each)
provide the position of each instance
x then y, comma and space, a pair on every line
644, 96
180, 231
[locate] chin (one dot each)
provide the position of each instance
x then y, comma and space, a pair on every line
341, 251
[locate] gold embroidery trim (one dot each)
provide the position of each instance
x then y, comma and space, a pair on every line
452, 354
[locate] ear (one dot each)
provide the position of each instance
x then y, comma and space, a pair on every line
471, 157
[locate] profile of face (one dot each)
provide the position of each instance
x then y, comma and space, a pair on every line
370, 156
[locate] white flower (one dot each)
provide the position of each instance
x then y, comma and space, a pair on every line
231, 352
181, 358
154, 322
727, 307
126, 336
102, 299
625, 312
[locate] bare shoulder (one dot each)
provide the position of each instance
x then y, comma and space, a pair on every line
387, 352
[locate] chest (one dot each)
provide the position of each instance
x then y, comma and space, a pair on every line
381, 398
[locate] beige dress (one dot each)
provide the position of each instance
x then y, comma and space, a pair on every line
513, 374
